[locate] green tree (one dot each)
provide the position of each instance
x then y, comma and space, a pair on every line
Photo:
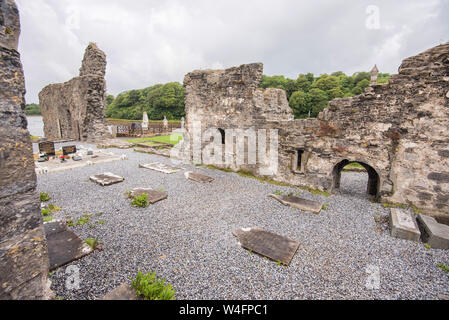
300, 103
319, 100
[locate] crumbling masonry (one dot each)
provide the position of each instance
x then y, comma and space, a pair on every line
23, 248
398, 131
77, 109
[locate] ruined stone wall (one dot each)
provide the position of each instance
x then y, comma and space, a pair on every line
23, 249
77, 109
398, 131
228, 99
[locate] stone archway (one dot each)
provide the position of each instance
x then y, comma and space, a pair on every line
373, 186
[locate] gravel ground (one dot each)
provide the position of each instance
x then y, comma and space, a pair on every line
187, 239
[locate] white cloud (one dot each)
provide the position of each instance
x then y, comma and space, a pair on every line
149, 42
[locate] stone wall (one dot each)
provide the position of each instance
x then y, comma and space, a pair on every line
77, 109
23, 248
398, 131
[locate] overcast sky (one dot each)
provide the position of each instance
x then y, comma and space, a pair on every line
149, 41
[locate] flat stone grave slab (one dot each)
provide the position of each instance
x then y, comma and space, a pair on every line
153, 195
124, 292
106, 179
63, 245
299, 203
268, 244
161, 167
403, 225
198, 177
434, 233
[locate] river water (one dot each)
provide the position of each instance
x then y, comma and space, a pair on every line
36, 126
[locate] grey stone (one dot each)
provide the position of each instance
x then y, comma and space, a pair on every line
268, 244
299, 203
403, 225
153, 195
124, 292
63, 245
106, 179
23, 248
198, 177
161, 167
434, 233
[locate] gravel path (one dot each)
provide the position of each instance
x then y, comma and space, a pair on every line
187, 239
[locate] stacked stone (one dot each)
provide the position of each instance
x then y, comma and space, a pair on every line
23, 249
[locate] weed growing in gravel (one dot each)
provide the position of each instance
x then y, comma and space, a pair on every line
83, 220
101, 222
279, 263
160, 189
48, 219
91, 226
54, 208
70, 222
444, 267
427, 246
324, 206
278, 193
140, 201
45, 212
92, 242
44, 197
152, 288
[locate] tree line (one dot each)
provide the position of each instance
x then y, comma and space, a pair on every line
307, 95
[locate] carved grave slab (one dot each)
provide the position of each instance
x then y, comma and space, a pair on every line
268, 244
299, 203
106, 179
161, 167
68, 150
153, 195
198, 177
63, 245
47, 147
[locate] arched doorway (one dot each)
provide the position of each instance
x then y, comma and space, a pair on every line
373, 184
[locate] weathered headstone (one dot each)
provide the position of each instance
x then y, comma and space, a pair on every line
403, 225
145, 121
299, 203
198, 177
63, 245
434, 233
153, 195
268, 244
68, 150
47, 147
161, 167
106, 179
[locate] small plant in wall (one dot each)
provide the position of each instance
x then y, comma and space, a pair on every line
150, 287
140, 201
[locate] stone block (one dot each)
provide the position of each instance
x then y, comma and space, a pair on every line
403, 225
153, 195
123, 292
434, 233
106, 179
299, 203
268, 244
161, 167
198, 177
